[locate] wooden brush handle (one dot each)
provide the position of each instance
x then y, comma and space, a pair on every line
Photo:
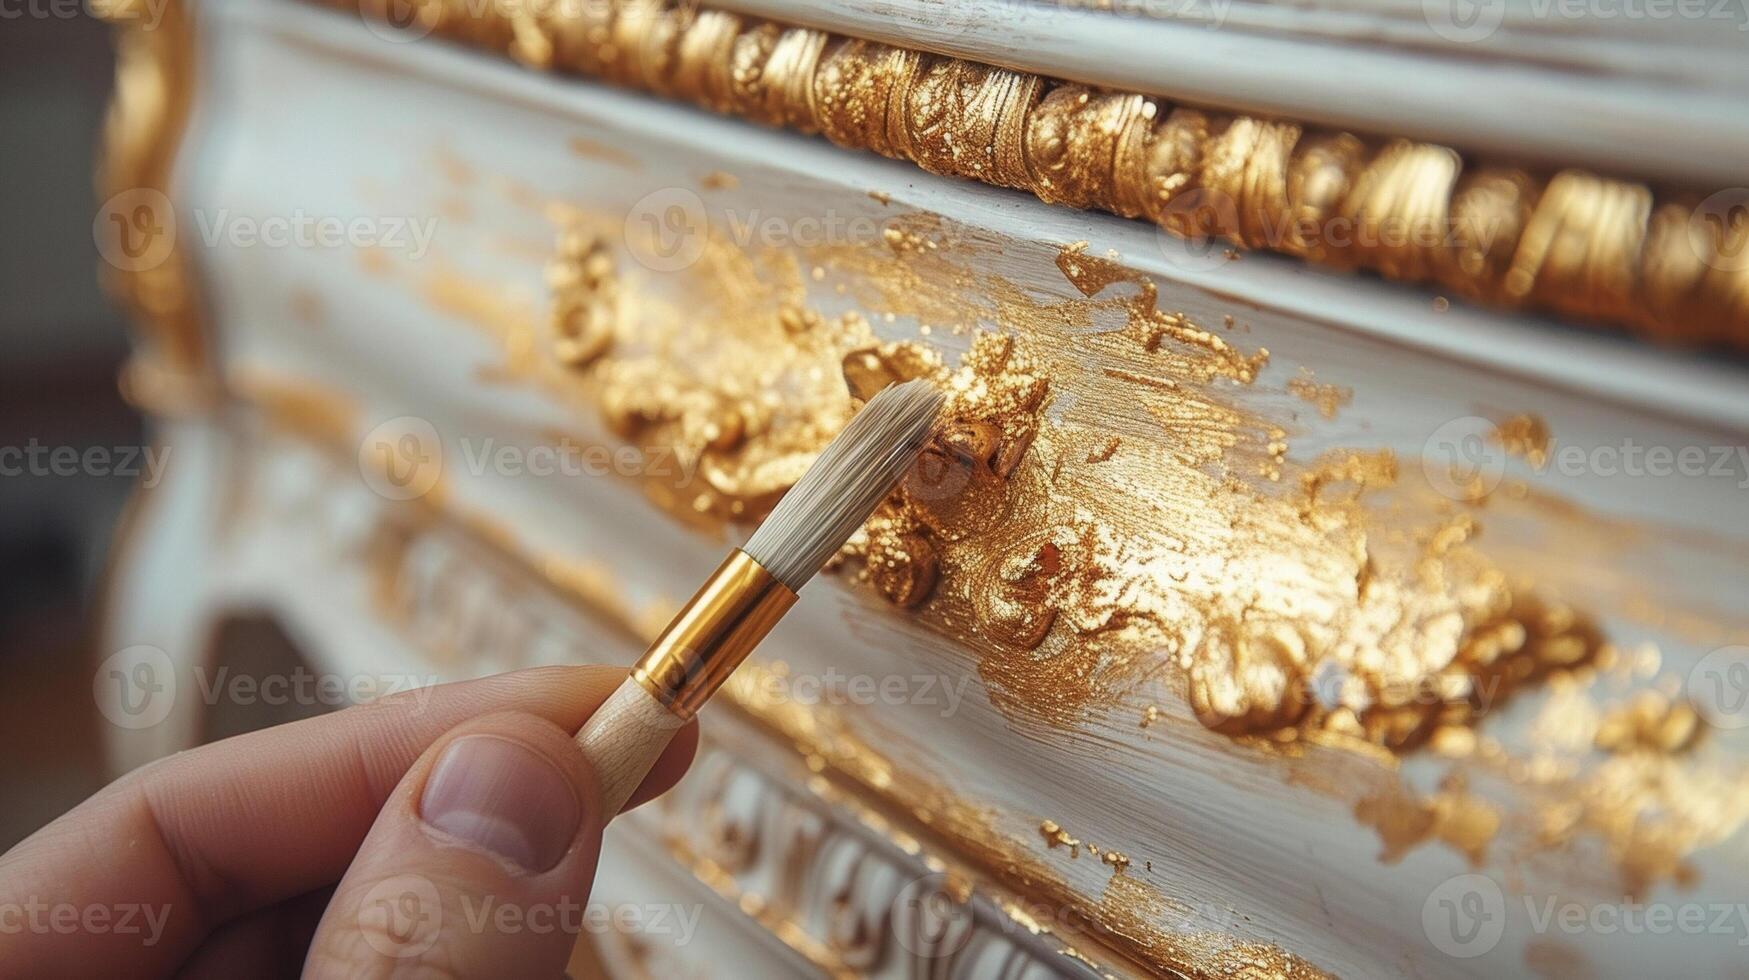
623, 739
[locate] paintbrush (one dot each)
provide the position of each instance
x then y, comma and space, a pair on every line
755, 586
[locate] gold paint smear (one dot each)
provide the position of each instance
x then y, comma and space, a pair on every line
1334, 608
1327, 398
1404, 821
1585, 246
320, 414
1661, 791
589, 149
155, 82
1524, 436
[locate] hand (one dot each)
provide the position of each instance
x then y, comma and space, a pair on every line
381, 839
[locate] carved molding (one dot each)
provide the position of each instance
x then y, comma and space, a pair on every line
146, 268
1665, 265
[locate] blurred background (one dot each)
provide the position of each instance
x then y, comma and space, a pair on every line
61, 345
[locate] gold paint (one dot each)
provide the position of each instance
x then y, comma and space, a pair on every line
376, 263
1056, 836
1649, 721
1524, 436
320, 414
589, 149
585, 298
1075, 581
454, 168
1151, 326
1582, 245
1117, 861
698, 380
1130, 909
148, 114
718, 180
1660, 793
307, 307
1453, 816
1329, 399
1551, 959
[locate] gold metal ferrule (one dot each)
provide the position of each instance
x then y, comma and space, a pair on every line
713, 633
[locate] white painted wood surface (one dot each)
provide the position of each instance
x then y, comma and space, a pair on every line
321, 116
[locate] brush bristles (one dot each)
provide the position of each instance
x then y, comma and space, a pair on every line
837, 493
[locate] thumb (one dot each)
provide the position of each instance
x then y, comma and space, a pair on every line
479, 864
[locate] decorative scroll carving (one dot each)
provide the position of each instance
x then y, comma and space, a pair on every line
1669, 266
146, 271
850, 901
